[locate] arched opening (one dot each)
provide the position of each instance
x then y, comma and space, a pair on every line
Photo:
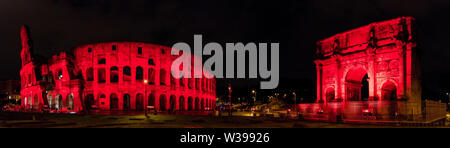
330, 94
102, 100
58, 102
151, 76
202, 105
35, 101
139, 73
197, 103
190, 83
173, 102
365, 88
139, 102
114, 74
151, 62
182, 103
151, 100
190, 103
173, 82
389, 91
197, 83
357, 85
126, 102
182, 83
126, 73
70, 102
50, 101
102, 61
162, 77
113, 102
203, 84
89, 101
162, 102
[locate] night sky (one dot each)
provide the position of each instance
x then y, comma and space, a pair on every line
58, 25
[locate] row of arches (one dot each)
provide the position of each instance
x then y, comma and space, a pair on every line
162, 103
54, 102
58, 102
192, 83
357, 88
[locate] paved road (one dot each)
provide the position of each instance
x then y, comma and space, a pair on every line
27, 120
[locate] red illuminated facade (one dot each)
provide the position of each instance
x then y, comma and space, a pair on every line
374, 62
109, 76
371, 73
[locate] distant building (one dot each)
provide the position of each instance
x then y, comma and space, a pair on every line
10, 90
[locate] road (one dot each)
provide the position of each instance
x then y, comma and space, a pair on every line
187, 120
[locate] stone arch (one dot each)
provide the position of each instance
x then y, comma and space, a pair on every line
182, 103
113, 101
70, 101
162, 77
197, 103
162, 102
102, 61
151, 62
190, 103
114, 74
389, 91
50, 101
151, 100
59, 102
356, 84
173, 82
202, 104
126, 102
89, 101
173, 102
139, 73
190, 83
330, 94
139, 102
197, 83
182, 81
126, 73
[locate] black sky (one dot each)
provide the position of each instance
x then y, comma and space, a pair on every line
58, 25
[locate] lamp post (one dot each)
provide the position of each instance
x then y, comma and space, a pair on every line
229, 96
254, 96
145, 97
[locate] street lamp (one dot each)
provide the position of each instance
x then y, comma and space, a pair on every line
145, 98
254, 96
229, 95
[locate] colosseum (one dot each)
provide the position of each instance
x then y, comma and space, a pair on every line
118, 76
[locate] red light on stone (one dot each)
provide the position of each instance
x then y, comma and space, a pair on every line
110, 76
366, 111
373, 62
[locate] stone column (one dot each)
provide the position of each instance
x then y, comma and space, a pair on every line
402, 71
338, 91
372, 73
319, 82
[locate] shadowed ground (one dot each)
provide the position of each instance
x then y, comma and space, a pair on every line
29, 120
